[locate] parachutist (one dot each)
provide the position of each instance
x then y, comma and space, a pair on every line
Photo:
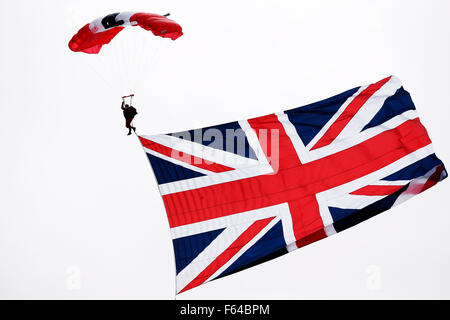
129, 112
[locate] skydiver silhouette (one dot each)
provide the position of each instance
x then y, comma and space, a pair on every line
128, 112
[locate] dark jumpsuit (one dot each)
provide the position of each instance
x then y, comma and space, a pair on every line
129, 114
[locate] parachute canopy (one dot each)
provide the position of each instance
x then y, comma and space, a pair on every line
94, 35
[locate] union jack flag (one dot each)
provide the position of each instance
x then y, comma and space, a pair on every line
244, 192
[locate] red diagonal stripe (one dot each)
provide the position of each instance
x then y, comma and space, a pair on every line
433, 179
184, 157
335, 129
225, 256
374, 190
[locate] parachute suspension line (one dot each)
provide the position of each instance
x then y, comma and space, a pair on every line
125, 74
132, 65
105, 67
120, 65
134, 60
133, 56
149, 53
99, 74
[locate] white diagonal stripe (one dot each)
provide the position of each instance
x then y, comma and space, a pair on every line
253, 141
334, 117
414, 186
230, 220
244, 249
370, 108
389, 183
177, 162
299, 147
209, 254
200, 151
379, 174
339, 145
213, 179
352, 201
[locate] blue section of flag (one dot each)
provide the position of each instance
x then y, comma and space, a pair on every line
339, 213
166, 171
271, 242
417, 169
308, 120
369, 211
393, 106
227, 137
188, 248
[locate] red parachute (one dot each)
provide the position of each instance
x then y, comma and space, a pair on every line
94, 35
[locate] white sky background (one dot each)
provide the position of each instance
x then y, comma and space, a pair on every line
80, 212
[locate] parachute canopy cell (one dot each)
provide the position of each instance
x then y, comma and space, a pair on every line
94, 35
